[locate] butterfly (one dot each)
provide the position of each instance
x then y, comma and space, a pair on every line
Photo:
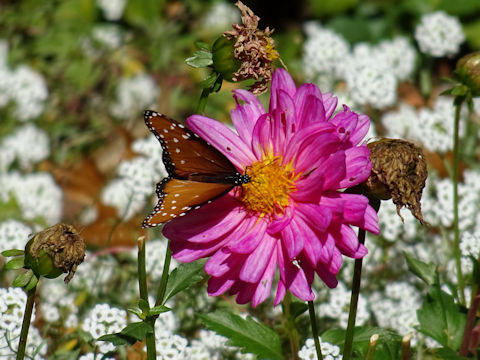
197, 172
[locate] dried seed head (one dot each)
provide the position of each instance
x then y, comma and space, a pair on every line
55, 250
399, 172
254, 48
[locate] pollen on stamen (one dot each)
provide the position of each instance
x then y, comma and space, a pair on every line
270, 185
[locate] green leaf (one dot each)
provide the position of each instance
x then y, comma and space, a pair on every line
144, 306
158, 310
137, 312
183, 277
200, 59
137, 330
209, 82
203, 45
253, 337
458, 7
426, 272
13, 252
448, 354
442, 319
14, 264
32, 283
388, 345
297, 308
118, 339
23, 279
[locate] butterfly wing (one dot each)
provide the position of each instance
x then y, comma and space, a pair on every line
184, 152
177, 197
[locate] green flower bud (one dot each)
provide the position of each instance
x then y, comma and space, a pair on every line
224, 61
55, 250
468, 72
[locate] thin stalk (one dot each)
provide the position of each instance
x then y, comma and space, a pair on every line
142, 284
456, 242
290, 325
471, 318
27, 316
202, 102
357, 275
372, 345
313, 323
406, 346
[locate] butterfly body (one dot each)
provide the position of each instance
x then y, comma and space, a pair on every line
197, 172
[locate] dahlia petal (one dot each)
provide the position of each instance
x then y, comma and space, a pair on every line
335, 262
358, 166
223, 262
219, 285
244, 292
223, 139
283, 121
328, 278
255, 264
209, 222
261, 136
280, 221
186, 251
309, 95
251, 236
265, 284
313, 155
281, 79
348, 244
294, 278
292, 239
244, 116
317, 216
329, 103
312, 246
280, 294
360, 130
346, 122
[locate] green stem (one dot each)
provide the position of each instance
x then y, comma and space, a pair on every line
372, 345
357, 275
290, 326
313, 323
202, 102
27, 316
163, 282
142, 283
456, 242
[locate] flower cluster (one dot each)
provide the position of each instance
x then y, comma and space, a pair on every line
291, 216
329, 351
439, 34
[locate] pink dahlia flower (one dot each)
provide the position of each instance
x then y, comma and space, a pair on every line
292, 216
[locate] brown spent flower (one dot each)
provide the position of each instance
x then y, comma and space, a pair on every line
254, 48
63, 246
399, 172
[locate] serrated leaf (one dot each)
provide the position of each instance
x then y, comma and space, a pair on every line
158, 310
118, 339
253, 337
23, 279
426, 272
442, 319
15, 264
200, 58
388, 345
183, 277
137, 330
13, 252
32, 283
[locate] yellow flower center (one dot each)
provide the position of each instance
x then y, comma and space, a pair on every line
270, 184
272, 54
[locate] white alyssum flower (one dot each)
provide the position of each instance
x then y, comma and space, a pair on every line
400, 56
104, 319
29, 145
123, 198
329, 351
397, 123
391, 225
14, 235
93, 356
155, 257
112, 9
62, 305
134, 94
221, 16
37, 195
110, 36
469, 246
172, 347
323, 51
337, 306
94, 274
439, 34
12, 307
29, 92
